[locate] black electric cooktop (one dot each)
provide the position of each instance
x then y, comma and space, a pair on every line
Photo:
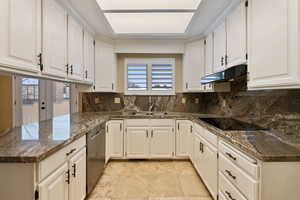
229, 124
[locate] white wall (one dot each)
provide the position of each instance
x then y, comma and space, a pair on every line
153, 46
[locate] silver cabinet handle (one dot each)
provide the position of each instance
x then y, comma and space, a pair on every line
230, 174
151, 133
74, 170
147, 133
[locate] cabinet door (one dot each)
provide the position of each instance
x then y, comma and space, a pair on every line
55, 186
20, 34
236, 36
193, 66
116, 139
54, 39
78, 176
197, 151
273, 47
209, 54
105, 67
89, 57
208, 166
75, 49
219, 47
162, 142
184, 128
137, 142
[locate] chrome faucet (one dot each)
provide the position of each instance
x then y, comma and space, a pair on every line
151, 104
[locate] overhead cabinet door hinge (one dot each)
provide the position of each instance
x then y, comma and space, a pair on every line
36, 195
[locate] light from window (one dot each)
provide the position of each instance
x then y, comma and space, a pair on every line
150, 76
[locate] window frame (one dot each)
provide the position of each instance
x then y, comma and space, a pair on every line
149, 62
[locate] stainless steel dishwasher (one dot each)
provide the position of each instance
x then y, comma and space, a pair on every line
95, 156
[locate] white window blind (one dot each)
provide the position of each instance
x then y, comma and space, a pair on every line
137, 77
154, 76
162, 77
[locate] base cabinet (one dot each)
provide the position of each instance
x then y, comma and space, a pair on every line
184, 128
137, 142
55, 186
115, 139
161, 143
78, 176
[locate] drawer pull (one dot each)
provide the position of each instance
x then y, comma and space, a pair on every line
229, 195
230, 174
72, 151
231, 156
74, 170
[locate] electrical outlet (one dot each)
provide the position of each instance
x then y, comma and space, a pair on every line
183, 100
196, 101
97, 100
117, 100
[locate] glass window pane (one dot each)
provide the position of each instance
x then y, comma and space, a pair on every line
61, 102
30, 100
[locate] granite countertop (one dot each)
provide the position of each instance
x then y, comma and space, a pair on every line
34, 142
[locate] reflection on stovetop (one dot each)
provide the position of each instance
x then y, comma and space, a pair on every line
229, 124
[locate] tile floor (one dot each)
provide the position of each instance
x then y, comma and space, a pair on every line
150, 180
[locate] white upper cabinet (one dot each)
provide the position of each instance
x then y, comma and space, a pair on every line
220, 48
54, 39
105, 67
209, 54
20, 34
236, 36
89, 57
193, 66
75, 49
273, 44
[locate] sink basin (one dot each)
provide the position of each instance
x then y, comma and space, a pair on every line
149, 113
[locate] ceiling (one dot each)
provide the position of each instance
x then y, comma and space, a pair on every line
201, 18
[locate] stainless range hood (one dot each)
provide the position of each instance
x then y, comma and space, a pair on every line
229, 74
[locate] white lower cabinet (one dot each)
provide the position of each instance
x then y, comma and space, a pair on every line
68, 180
115, 139
184, 129
161, 142
137, 142
55, 187
205, 160
78, 176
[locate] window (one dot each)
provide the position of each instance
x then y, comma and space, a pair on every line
154, 76
39, 99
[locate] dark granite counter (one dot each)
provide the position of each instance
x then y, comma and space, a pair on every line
34, 142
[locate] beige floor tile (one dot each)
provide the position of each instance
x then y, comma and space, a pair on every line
193, 186
150, 180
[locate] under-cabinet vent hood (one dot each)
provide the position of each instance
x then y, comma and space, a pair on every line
229, 74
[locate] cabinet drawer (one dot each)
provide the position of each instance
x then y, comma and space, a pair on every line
239, 178
162, 122
239, 159
137, 122
47, 166
229, 191
206, 134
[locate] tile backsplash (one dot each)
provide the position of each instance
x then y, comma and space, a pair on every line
101, 102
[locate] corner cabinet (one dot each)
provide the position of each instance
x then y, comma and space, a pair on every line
55, 32
105, 67
193, 66
273, 39
20, 34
